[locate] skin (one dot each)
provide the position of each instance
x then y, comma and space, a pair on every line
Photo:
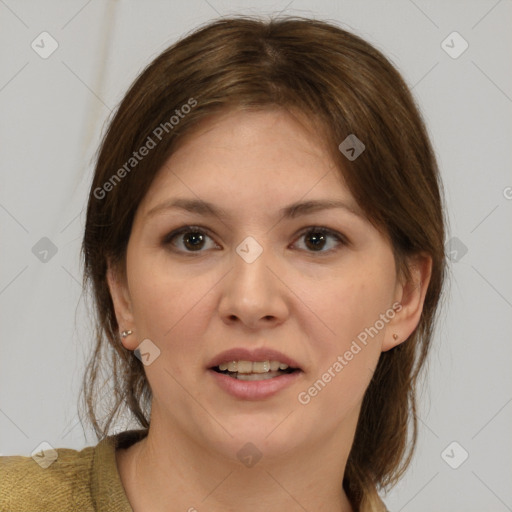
307, 303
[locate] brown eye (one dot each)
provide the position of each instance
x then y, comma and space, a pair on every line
317, 238
188, 239
193, 240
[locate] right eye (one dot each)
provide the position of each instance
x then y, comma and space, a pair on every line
187, 239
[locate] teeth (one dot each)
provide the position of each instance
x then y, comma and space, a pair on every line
244, 366
262, 367
248, 367
274, 366
256, 376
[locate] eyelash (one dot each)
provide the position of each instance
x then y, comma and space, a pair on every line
200, 230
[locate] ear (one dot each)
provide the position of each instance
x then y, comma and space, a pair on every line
409, 298
117, 283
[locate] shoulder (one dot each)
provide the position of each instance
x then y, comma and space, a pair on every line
52, 480
67, 480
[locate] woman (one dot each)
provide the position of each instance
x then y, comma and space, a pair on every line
264, 241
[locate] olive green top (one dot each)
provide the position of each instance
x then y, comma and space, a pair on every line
86, 480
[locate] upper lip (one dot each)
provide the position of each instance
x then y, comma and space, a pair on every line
258, 354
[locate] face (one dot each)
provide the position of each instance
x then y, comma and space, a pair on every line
253, 279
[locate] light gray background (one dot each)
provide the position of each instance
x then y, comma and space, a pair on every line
53, 112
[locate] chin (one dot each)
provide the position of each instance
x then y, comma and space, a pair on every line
263, 433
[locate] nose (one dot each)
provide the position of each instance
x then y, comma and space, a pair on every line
253, 294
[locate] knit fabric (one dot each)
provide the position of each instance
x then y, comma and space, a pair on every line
78, 481
86, 480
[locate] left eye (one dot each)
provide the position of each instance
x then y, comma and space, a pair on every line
192, 239
318, 237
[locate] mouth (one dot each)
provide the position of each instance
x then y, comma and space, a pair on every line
254, 370
256, 374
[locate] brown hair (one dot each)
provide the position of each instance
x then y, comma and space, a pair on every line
346, 86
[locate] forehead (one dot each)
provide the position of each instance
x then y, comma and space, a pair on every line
252, 150
268, 131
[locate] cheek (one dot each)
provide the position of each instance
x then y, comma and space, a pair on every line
168, 307
354, 310
350, 305
346, 357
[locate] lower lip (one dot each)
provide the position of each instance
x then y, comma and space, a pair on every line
254, 389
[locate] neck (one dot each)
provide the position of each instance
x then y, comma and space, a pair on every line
168, 471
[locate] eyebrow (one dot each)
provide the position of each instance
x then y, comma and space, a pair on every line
291, 211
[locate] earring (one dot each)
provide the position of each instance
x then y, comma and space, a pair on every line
395, 336
124, 334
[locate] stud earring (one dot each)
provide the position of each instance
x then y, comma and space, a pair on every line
124, 334
395, 336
